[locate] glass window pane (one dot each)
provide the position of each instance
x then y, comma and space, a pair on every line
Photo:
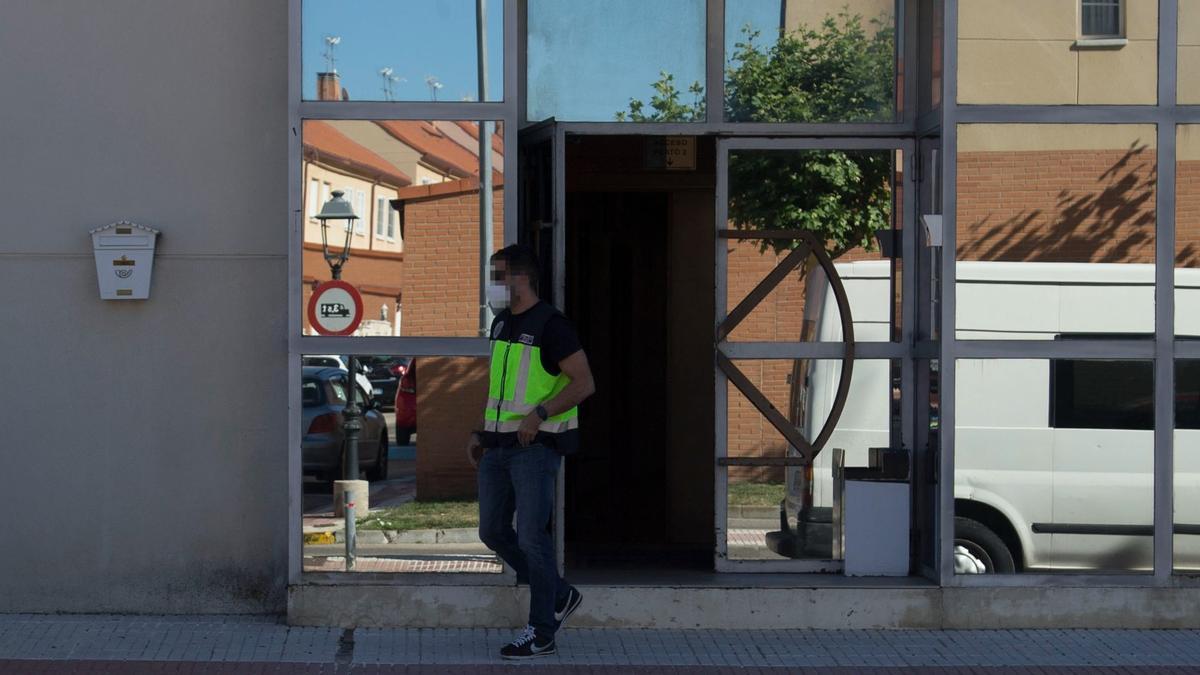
382, 50
1056, 229
1187, 231
622, 60
810, 61
1189, 52
1101, 18
845, 198
424, 174
804, 390
423, 509
1187, 466
1029, 52
930, 15
1053, 466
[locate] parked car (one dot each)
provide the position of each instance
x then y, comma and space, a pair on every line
1053, 457
406, 403
323, 397
385, 373
335, 361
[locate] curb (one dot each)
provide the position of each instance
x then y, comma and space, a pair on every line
336, 535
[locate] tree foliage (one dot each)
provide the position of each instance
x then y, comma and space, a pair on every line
837, 72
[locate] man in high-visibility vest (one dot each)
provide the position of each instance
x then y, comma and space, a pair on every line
539, 375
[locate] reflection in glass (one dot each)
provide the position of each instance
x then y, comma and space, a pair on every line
1053, 465
1037, 52
1187, 230
843, 198
423, 509
382, 50
804, 391
1188, 68
635, 60
810, 61
1187, 466
414, 253
1056, 230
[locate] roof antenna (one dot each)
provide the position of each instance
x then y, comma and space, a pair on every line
331, 41
389, 83
434, 85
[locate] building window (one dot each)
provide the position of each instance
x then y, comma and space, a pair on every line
360, 207
381, 207
391, 220
1101, 19
314, 191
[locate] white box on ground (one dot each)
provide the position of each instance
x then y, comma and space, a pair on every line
876, 528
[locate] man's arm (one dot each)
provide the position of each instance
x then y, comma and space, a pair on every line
580, 384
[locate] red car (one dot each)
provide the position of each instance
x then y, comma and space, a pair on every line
406, 401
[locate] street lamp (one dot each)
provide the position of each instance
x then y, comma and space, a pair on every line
337, 208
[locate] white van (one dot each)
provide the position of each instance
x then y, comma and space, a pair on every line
1054, 458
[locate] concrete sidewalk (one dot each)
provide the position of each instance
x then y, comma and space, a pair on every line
247, 644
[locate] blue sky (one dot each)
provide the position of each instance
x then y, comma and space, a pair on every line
587, 58
416, 38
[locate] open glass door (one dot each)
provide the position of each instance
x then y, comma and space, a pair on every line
541, 205
812, 327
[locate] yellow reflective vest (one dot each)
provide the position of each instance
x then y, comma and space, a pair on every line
518, 382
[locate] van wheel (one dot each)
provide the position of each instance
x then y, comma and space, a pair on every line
978, 550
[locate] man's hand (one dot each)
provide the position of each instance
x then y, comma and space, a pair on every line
475, 450
529, 428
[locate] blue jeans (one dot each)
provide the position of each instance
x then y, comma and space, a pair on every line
522, 479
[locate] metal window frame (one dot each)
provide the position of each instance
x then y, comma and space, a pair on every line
899, 350
714, 77
511, 110
299, 110
1162, 348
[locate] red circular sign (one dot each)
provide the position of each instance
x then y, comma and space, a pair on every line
335, 308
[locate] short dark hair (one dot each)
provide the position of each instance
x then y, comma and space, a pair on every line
520, 259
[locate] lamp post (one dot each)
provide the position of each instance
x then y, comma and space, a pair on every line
338, 209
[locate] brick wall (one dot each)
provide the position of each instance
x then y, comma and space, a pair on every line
451, 393
441, 261
1060, 206
441, 298
1187, 214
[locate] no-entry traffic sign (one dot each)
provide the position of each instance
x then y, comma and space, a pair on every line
335, 308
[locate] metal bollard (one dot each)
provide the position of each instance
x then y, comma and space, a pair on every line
348, 504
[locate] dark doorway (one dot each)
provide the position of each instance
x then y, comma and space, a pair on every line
639, 249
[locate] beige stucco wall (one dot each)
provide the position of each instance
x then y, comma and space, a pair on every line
1189, 51
152, 476
1187, 143
1051, 137
1025, 52
812, 13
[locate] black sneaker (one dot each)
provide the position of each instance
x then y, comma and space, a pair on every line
527, 646
567, 608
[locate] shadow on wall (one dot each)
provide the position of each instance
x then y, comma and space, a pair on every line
1047, 207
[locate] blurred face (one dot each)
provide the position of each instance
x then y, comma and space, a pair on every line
499, 289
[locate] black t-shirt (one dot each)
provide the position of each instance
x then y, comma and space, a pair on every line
559, 339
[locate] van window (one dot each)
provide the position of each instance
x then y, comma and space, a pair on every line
1187, 394
1090, 394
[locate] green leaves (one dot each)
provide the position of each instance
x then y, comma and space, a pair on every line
665, 104
840, 71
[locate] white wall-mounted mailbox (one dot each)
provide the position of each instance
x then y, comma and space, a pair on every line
124, 260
